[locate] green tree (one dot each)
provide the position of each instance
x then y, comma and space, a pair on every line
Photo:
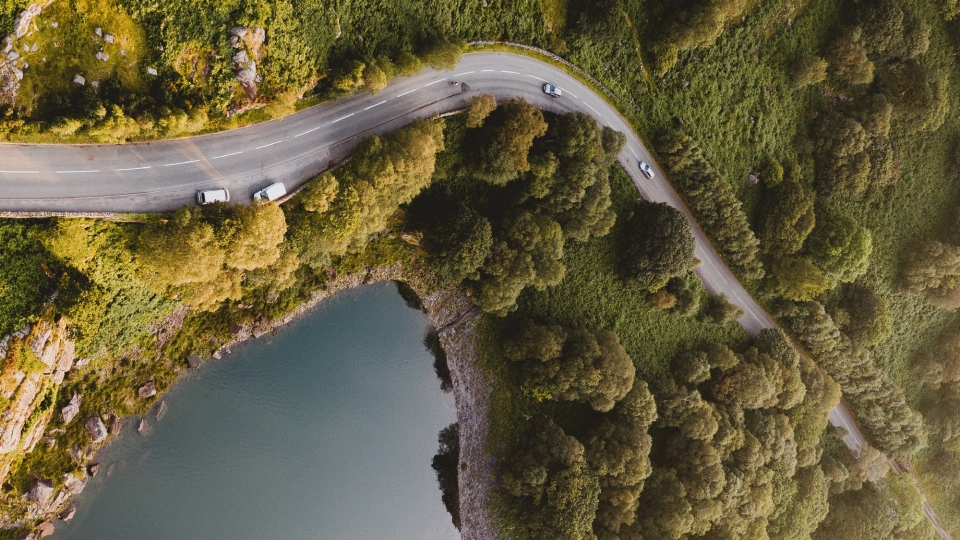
870, 319
919, 95
841, 247
24, 281
719, 310
508, 135
933, 269
789, 219
843, 165
479, 109
797, 279
458, 246
181, 250
809, 70
657, 244
258, 232
848, 60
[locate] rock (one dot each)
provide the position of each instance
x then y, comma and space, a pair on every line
73, 484
159, 408
95, 428
193, 361
142, 428
71, 410
49, 441
18, 377
239, 31
257, 37
67, 354
147, 390
102, 56
241, 57
26, 536
76, 454
93, 469
56, 502
82, 362
33, 436
108, 38
40, 491
247, 77
40, 338
19, 411
116, 426
235, 42
217, 355
79, 79
45, 529
98, 32
22, 25
68, 512
12, 55
152, 71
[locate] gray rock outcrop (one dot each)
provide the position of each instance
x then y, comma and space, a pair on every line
147, 390
45, 529
74, 485
71, 410
40, 491
68, 512
95, 429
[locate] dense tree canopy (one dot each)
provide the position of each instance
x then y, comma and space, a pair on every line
657, 244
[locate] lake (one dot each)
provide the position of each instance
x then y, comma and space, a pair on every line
324, 431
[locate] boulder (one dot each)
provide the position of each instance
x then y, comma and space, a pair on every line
93, 469
56, 501
76, 454
247, 77
42, 334
116, 426
22, 25
68, 512
73, 484
35, 433
142, 427
108, 38
147, 390
102, 56
152, 71
17, 414
45, 529
79, 79
71, 410
31, 535
95, 428
40, 491
193, 361
49, 441
241, 57
239, 31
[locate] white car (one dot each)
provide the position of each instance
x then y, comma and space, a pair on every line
270, 193
551, 90
210, 196
646, 170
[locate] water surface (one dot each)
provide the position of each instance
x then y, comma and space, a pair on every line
325, 431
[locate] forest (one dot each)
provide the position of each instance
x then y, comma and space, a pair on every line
813, 143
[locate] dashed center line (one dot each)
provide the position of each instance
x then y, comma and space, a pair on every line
267, 145
464, 73
408, 92
240, 152
19, 172
594, 110
307, 131
343, 118
510, 72
434, 82
569, 92
487, 70
77, 172
134, 168
537, 78
180, 163
375, 105
634, 153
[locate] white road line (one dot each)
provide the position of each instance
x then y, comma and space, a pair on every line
537, 78
240, 152
569, 92
134, 168
408, 92
266, 145
487, 70
304, 133
464, 73
180, 163
594, 110
510, 72
19, 172
724, 279
634, 153
375, 105
434, 82
343, 118
77, 172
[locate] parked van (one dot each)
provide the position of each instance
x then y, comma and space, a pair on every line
270, 193
210, 196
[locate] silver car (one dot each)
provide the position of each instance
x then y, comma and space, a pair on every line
646, 170
551, 90
211, 196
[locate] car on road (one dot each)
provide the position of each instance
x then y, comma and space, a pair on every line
646, 170
210, 196
270, 193
551, 90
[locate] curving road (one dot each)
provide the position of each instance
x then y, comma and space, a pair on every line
163, 175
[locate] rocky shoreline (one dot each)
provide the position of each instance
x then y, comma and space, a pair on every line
455, 317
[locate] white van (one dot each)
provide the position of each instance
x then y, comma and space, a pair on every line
270, 193
210, 196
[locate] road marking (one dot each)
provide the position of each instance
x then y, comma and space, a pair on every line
240, 152
464, 73
594, 110
180, 163
375, 105
134, 168
487, 70
510, 72
72, 172
537, 78
408, 92
434, 82
19, 172
266, 145
343, 118
724, 279
304, 133
634, 153
569, 92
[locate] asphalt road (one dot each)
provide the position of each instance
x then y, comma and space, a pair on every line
164, 175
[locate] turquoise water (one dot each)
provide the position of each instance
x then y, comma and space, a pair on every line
324, 431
